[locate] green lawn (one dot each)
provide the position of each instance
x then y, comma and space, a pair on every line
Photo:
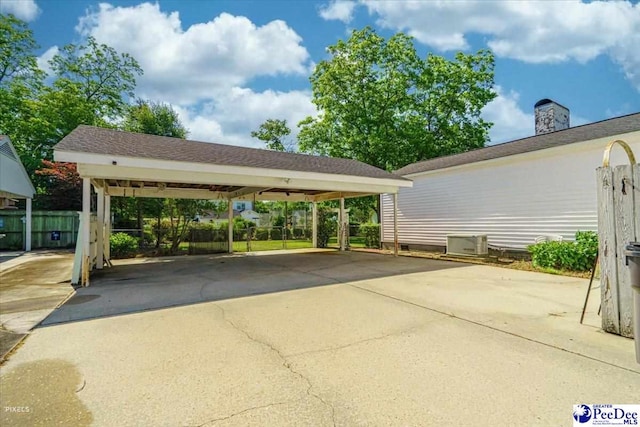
260, 245
269, 245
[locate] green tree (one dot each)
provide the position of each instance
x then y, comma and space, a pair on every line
274, 133
96, 76
91, 84
155, 119
380, 103
17, 47
21, 84
181, 213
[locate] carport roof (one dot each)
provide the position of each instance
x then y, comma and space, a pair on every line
141, 165
96, 140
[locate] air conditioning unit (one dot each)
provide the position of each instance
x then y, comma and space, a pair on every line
467, 244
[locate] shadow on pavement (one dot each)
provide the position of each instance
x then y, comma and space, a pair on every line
154, 283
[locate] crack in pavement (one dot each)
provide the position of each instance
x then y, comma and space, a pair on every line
285, 363
377, 338
210, 422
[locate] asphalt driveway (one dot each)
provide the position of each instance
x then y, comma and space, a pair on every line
317, 339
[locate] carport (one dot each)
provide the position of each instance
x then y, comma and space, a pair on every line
126, 164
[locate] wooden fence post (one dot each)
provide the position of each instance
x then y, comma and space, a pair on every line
618, 224
607, 251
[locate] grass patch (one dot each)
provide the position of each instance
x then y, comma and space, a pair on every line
256, 245
270, 245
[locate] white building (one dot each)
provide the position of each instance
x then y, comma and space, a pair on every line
512, 192
14, 184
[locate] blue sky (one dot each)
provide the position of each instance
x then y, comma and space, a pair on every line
226, 66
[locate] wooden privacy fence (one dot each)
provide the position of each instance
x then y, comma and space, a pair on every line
49, 229
618, 224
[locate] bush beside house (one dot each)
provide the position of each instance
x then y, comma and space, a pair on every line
579, 255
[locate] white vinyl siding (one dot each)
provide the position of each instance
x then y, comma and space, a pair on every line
512, 200
14, 181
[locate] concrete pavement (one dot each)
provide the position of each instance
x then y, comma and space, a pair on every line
31, 286
372, 340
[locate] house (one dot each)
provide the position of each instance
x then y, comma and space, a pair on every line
544, 185
241, 208
14, 184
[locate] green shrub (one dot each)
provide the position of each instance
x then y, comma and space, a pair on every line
201, 232
276, 233
575, 256
240, 223
327, 227
278, 221
123, 245
371, 234
164, 230
261, 234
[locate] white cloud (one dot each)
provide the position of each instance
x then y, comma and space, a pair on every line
203, 70
536, 32
43, 60
27, 10
183, 66
230, 118
341, 10
509, 121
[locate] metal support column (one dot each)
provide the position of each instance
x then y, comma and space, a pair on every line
100, 229
314, 224
395, 224
107, 227
230, 226
342, 226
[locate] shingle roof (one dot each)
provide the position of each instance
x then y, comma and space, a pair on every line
602, 129
96, 140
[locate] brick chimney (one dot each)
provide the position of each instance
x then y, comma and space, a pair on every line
550, 116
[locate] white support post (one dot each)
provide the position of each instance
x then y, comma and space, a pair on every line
27, 237
107, 227
381, 221
314, 224
395, 224
230, 226
100, 227
86, 225
342, 225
